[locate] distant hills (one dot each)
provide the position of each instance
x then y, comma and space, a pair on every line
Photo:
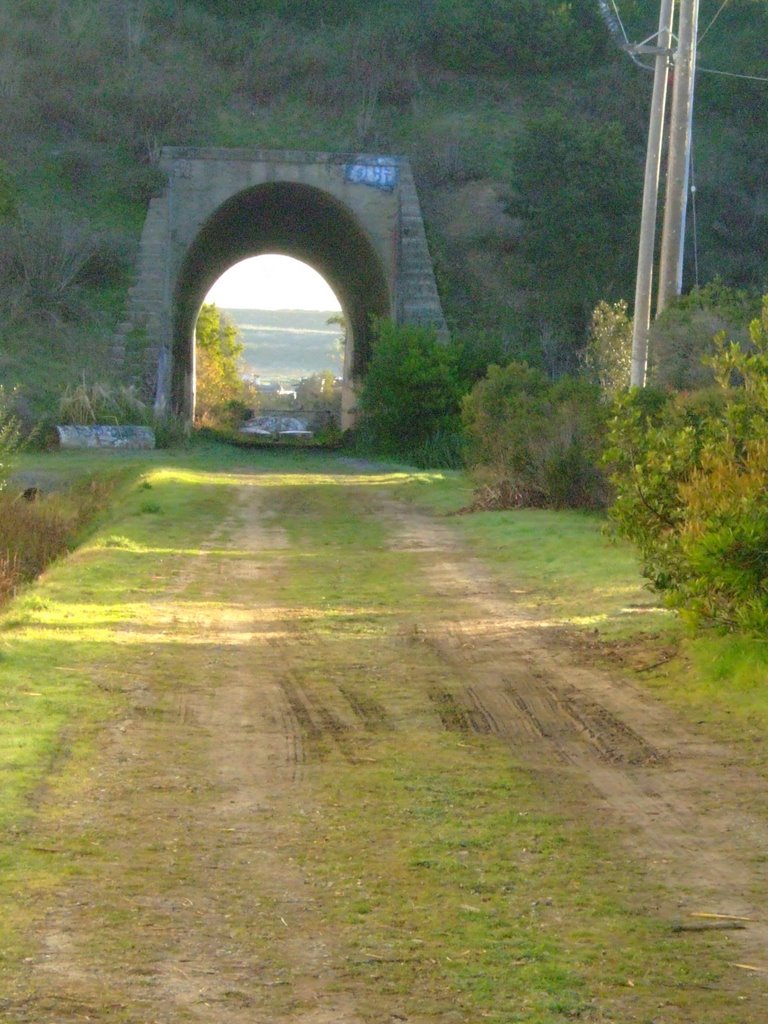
288, 344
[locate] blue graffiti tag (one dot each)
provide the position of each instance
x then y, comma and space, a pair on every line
381, 173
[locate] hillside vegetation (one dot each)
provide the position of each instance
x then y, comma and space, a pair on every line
521, 117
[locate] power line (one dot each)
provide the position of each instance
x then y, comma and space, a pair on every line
734, 74
612, 19
723, 5
621, 23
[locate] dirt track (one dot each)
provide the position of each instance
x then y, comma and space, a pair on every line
197, 790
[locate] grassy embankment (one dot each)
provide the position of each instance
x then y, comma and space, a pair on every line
471, 891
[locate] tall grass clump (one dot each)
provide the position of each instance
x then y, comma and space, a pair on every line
36, 529
86, 404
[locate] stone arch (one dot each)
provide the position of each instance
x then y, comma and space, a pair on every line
355, 218
291, 219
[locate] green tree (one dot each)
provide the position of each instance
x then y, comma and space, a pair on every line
221, 395
579, 207
319, 392
411, 390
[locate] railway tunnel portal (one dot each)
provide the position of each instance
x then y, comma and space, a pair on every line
355, 218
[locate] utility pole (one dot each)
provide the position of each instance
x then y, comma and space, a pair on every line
644, 282
679, 159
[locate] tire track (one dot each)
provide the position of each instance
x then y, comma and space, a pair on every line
682, 803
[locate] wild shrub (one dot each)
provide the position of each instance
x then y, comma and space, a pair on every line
34, 533
410, 392
691, 480
10, 436
681, 339
533, 443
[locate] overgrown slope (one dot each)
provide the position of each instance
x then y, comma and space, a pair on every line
523, 119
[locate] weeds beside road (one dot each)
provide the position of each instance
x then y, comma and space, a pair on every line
283, 746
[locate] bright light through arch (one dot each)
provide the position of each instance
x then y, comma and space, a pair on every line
273, 282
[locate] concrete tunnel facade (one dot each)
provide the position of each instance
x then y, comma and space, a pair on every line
353, 218
292, 220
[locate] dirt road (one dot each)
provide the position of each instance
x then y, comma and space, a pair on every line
190, 886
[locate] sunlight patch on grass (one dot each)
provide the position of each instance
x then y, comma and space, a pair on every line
564, 559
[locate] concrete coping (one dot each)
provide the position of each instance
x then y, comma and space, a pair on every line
173, 153
104, 435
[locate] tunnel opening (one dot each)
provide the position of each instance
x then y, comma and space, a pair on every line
288, 351
288, 219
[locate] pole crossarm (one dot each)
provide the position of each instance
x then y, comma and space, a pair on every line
647, 48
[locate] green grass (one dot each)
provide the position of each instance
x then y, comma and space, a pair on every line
456, 886
56, 638
470, 893
458, 879
565, 564
719, 681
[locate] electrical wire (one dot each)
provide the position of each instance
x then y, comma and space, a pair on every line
621, 23
612, 18
723, 5
732, 74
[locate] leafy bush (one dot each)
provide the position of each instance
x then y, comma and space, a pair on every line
410, 392
691, 476
533, 443
681, 339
